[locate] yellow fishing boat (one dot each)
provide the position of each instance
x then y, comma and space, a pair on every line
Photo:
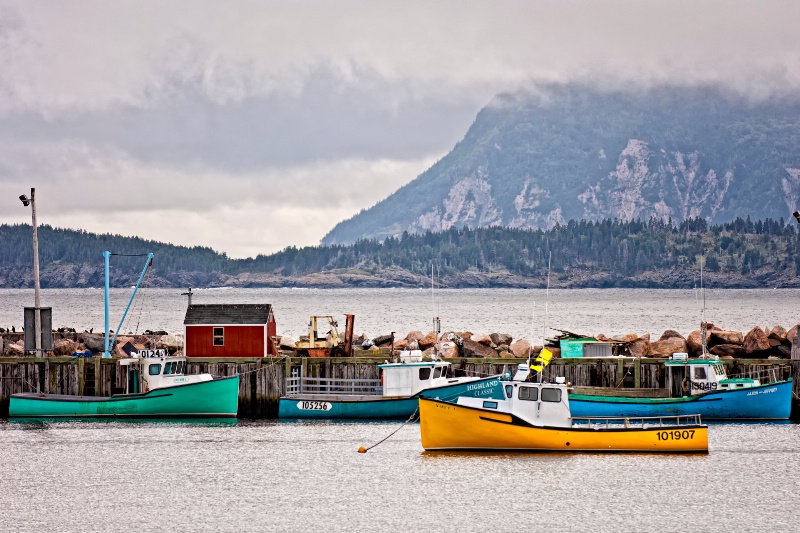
536, 417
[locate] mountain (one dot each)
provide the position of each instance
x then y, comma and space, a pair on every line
573, 152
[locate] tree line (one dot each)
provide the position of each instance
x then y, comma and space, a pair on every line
620, 248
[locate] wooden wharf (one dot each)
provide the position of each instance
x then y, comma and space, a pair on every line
263, 379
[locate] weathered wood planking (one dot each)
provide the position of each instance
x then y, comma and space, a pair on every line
263, 379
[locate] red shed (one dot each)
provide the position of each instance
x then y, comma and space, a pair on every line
229, 330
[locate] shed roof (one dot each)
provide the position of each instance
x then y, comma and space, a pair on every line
209, 314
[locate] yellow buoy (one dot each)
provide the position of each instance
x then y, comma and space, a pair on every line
362, 450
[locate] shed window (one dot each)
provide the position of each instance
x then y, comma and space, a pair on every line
528, 393
425, 373
551, 395
219, 336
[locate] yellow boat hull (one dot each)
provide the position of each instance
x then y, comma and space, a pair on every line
447, 426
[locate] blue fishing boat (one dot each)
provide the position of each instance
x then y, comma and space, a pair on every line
394, 396
694, 386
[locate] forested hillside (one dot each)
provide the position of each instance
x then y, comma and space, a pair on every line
741, 253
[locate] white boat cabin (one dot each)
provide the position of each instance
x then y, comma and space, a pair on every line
147, 370
413, 375
539, 404
698, 376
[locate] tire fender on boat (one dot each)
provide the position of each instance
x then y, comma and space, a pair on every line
685, 385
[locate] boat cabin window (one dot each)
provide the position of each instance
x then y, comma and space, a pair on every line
219, 336
154, 370
551, 395
490, 405
437, 372
528, 393
168, 368
425, 373
699, 372
719, 370
509, 391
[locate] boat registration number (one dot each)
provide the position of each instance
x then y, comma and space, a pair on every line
676, 434
314, 406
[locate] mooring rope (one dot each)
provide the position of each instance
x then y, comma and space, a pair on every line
410, 419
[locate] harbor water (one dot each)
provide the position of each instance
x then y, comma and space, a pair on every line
519, 312
308, 476
241, 475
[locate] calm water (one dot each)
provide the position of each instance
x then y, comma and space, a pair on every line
273, 476
522, 313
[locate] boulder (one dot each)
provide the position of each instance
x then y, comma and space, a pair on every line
756, 341
472, 349
640, 347
288, 343
520, 348
428, 341
64, 347
724, 336
501, 338
777, 333
694, 342
670, 334
727, 350
171, 343
666, 347
448, 349
93, 341
15, 349
486, 340
791, 335
401, 344
631, 337
382, 340
415, 336
412, 345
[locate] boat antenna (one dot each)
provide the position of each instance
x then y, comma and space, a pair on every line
703, 325
437, 324
546, 301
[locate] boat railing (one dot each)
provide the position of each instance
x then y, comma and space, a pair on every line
310, 385
765, 375
596, 422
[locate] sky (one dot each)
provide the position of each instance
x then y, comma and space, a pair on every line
248, 127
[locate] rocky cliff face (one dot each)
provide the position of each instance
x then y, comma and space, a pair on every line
533, 161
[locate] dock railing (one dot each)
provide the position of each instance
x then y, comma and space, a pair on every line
306, 385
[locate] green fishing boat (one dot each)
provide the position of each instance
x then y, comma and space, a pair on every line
156, 386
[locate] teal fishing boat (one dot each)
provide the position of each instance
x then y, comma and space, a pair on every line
156, 386
394, 396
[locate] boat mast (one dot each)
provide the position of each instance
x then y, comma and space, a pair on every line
147, 264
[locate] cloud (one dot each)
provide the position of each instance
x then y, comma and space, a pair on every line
214, 116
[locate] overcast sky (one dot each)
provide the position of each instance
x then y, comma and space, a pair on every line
252, 126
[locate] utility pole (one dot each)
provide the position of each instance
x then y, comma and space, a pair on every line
37, 291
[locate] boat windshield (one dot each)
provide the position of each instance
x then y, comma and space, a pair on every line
551, 395
437, 372
719, 370
528, 393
